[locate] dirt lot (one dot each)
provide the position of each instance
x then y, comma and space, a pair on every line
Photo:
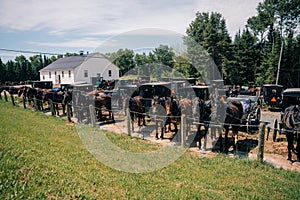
274, 153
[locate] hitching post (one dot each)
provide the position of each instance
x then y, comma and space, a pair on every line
183, 130
35, 104
5, 96
92, 115
261, 138
24, 102
12, 99
69, 113
128, 121
51, 107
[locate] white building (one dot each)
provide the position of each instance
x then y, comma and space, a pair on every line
79, 69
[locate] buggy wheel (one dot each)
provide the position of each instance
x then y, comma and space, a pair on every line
275, 130
257, 115
248, 124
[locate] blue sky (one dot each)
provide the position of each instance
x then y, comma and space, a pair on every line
70, 26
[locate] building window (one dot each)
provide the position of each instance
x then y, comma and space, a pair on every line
69, 73
49, 74
62, 74
109, 73
86, 73
43, 77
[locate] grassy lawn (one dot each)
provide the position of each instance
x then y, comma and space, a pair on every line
43, 157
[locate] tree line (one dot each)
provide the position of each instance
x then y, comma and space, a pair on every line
269, 43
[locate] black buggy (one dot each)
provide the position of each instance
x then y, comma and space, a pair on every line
290, 96
251, 112
149, 90
272, 95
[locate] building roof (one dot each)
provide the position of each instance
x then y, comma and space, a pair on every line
72, 62
292, 92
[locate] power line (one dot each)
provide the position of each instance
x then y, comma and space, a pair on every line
33, 52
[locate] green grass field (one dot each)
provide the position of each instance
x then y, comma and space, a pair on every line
42, 157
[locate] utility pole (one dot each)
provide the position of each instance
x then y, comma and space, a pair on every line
279, 61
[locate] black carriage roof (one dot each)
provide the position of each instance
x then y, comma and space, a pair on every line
156, 84
127, 86
245, 97
201, 86
196, 87
273, 85
292, 92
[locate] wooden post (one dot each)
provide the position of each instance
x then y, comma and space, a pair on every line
128, 121
12, 99
92, 115
183, 130
68, 112
261, 138
51, 107
5, 96
24, 102
35, 104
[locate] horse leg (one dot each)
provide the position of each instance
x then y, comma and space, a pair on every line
42, 106
175, 125
71, 110
132, 121
221, 142
162, 130
139, 120
290, 140
64, 108
144, 120
57, 109
112, 115
298, 148
235, 136
226, 139
156, 130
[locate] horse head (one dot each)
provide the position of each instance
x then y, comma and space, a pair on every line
291, 117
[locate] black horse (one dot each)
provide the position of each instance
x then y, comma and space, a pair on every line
291, 124
234, 114
31, 95
158, 115
137, 110
202, 113
56, 98
103, 103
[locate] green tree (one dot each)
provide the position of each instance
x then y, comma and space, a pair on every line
210, 32
276, 21
2, 72
245, 58
124, 59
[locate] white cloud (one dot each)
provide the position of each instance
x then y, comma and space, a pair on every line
100, 16
76, 43
89, 19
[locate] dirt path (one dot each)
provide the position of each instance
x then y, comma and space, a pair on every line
275, 152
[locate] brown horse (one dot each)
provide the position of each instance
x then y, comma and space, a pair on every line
158, 115
291, 124
103, 102
186, 108
137, 110
173, 113
234, 114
